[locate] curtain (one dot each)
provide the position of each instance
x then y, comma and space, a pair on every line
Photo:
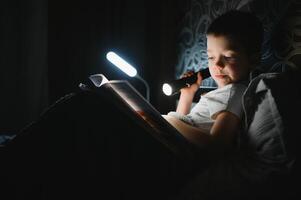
23, 61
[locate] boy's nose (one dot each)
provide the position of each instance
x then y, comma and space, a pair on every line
219, 64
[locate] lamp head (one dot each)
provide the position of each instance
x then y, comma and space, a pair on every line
121, 64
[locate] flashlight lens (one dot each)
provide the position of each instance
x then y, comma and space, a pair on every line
167, 89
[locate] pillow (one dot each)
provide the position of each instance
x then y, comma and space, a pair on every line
269, 102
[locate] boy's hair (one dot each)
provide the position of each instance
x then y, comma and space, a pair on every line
242, 27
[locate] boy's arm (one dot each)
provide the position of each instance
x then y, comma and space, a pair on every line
184, 104
224, 130
187, 95
193, 134
222, 134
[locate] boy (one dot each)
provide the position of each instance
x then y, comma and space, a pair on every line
233, 47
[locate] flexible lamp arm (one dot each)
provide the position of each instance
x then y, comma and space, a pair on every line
146, 86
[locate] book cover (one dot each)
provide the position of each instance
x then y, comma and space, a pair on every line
129, 100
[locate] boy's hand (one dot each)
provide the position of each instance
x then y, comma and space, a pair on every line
187, 94
191, 90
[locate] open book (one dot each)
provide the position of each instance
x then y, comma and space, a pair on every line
130, 101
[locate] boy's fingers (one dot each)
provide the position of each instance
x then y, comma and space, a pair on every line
187, 74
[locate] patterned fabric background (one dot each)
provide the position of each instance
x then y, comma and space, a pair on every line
282, 33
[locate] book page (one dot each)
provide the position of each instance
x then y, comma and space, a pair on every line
141, 106
98, 79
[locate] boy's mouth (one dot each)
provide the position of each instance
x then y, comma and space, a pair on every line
220, 76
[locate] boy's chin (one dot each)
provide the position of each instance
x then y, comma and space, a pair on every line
222, 83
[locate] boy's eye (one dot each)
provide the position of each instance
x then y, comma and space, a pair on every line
229, 58
225, 58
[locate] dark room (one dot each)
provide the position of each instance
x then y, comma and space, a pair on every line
141, 99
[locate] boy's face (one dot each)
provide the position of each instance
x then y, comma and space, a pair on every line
228, 63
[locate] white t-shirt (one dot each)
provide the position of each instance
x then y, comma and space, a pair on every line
203, 114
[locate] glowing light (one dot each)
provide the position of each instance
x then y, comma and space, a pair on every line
121, 64
167, 89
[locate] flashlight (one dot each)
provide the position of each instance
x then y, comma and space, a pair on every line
174, 86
